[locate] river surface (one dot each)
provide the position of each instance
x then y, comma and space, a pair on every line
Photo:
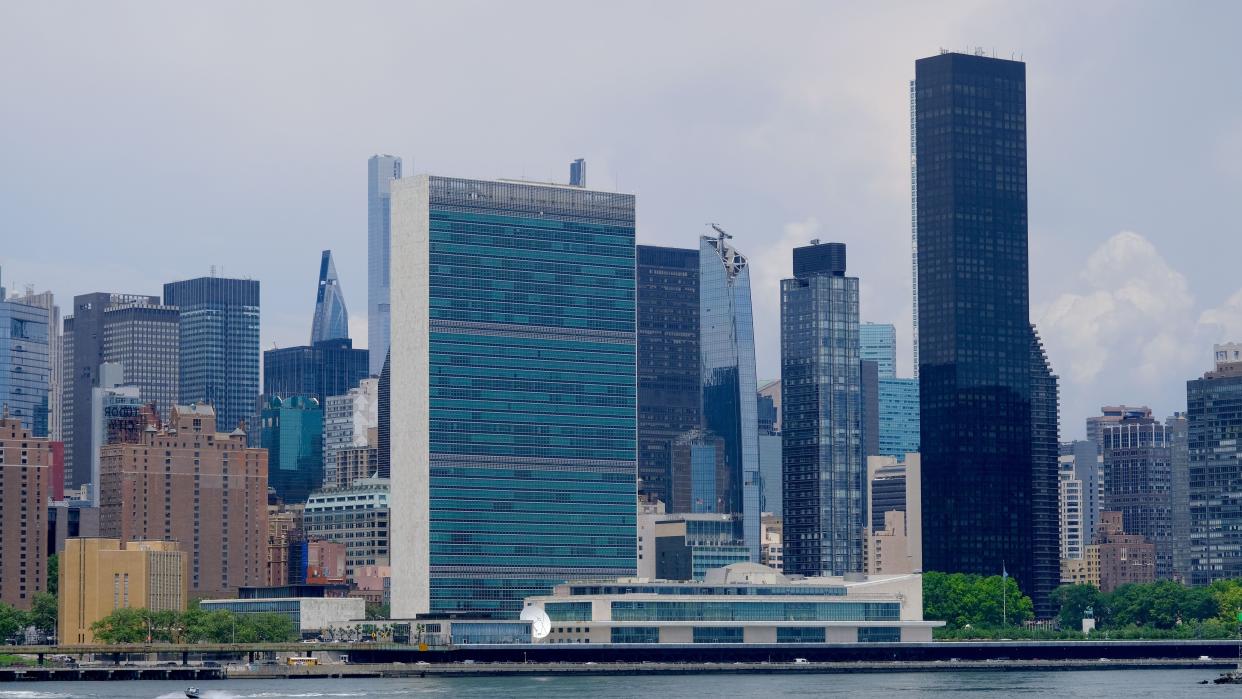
1131, 684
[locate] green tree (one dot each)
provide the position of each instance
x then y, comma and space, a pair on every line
1073, 601
43, 612
1163, 605
53, 574
124, 625
964, 600
12, 620
376, 611
266, 627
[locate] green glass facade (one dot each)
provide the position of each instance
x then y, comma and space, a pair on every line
531, 382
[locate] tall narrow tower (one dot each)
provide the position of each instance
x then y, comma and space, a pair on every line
982, 489
381, 171
331, 320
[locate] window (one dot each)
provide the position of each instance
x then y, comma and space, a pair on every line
718, 634
879, 635
636, 634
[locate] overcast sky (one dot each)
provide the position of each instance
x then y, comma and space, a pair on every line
145, 142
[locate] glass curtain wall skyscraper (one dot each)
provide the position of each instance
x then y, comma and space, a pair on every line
727, 367
219, 345
25, 375
1214, 426
381, 171
513, 430
331, 321
669, 393
824, 470
974, 337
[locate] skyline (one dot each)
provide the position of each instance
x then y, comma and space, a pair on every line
779, 138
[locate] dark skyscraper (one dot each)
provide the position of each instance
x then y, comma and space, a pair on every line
328, 368
822, 415
982, 511
669, 400
219, 345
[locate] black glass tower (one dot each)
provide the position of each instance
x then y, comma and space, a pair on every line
981, 509
669, 401
327, 368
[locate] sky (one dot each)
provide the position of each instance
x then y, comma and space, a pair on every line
143, 142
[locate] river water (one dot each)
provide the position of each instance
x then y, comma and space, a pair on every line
1132, 684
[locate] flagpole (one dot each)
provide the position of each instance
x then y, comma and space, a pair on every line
1004, 596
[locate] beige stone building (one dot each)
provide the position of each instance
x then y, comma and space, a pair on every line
25, 475
893, 541
98, 576
192, 484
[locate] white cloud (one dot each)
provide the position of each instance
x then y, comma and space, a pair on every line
1131, 333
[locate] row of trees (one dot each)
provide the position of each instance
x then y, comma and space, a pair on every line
128, 625
973, 606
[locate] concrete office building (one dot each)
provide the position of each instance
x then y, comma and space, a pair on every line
893, 539
99, 576
356, 516
351, 422
118, 415
988, 503
688, 545
1214, 433
1071, 508
523, 409
311, 616
773, 542
219, 345
292, 434
145, 341
84, 349
1138, 482
25, 469
1124, 558
1085, 464
824, 489
25, 373
382, 170
741, 603
1111, 415
55, 355
192, 484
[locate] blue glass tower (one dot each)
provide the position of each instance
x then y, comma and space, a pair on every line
727, 365
24, 372
822, 416
878, 343
219, 337
331, 320
899, 398
292, 434
381, 171
513, 433
984, 508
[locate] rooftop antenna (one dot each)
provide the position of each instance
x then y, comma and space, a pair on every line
718, 229
213, 270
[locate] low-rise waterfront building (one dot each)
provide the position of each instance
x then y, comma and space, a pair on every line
740, 603
310, 615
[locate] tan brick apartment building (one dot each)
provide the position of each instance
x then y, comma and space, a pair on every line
191, 484
25, 472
